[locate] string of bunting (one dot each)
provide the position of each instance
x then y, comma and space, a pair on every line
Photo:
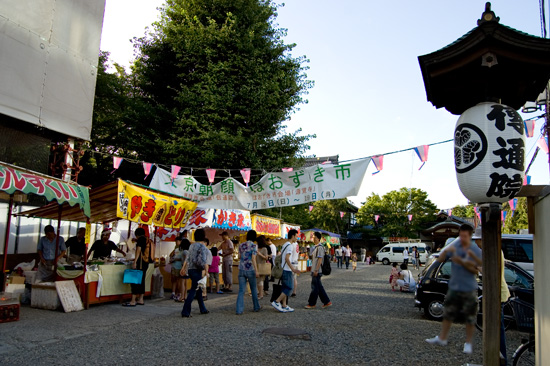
247, 173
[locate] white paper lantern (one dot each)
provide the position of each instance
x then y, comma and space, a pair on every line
490, 153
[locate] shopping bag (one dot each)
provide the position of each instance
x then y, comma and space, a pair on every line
277, 291
133, 276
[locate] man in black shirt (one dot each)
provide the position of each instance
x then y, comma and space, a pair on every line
103, 248
76, 246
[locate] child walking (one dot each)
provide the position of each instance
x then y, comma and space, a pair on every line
394, 276
354, 261
214, 271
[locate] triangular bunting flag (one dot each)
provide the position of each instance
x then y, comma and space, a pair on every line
422, 152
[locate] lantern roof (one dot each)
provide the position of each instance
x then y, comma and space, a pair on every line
492, 62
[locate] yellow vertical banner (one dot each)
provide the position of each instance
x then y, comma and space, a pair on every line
151, 207
88, 233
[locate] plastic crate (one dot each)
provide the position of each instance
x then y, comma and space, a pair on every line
9, 311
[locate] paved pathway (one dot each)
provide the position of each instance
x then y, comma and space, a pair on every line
368, 325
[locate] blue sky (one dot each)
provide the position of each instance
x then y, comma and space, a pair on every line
369, 97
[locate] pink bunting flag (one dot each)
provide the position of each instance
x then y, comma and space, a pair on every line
116, 163
543, 144
378, 161
211, 174
503, 216
450, 213
287, 170
175, 171
310, 208
529, 128
342, 214
147, 169
526, 180
376, 217
410, 217
422, 152
246, 175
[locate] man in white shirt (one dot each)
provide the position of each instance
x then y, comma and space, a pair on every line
287, 281
406, 255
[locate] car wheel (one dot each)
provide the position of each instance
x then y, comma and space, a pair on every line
434, 309
385, 261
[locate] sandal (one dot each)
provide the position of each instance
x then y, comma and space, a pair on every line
128, 305
140, 303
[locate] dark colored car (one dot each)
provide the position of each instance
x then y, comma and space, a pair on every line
433, 284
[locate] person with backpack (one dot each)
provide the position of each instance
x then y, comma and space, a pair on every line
195, 265
317, 268
288, 269
145, 254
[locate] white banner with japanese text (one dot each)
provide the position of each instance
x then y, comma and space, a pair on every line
276, 189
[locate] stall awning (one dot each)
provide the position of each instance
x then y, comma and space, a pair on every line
15, 179
324, 232
102, 205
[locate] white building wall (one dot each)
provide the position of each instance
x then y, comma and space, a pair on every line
542, 283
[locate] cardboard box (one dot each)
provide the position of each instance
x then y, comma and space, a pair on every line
17, 280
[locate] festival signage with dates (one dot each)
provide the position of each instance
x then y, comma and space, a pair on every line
276, 189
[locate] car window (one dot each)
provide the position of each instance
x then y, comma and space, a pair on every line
524, 248
385, 250
445, 271
398, 250
421, 250
517, 279
518, 250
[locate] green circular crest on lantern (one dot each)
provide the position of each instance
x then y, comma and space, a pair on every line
490, 153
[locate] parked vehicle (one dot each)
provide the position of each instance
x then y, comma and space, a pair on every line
393, 252
433, 284
516, 248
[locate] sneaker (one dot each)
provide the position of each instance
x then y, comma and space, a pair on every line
468, 349
309, 307
277, 306
327, 305
173, 297
288, 309
436, 340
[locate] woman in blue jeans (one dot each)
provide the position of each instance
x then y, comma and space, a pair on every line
248, 271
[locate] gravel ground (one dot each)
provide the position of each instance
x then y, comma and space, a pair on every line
368, 325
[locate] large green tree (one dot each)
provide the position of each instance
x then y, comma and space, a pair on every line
212, 86
393, 209
222, 83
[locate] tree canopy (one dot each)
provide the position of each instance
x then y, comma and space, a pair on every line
393, 209
212, 86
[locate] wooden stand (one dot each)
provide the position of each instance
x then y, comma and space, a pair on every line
491, 227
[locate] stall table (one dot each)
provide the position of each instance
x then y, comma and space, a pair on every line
109, 280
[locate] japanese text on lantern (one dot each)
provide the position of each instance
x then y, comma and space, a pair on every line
510, 154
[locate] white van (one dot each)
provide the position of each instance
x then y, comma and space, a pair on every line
393, 252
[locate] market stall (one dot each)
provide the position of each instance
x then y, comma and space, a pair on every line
101, 280
18, 181
214, 222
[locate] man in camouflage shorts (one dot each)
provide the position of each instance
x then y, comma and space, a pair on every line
461, 298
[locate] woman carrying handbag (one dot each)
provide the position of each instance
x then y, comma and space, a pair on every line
264, 267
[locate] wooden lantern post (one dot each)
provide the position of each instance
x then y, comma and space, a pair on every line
498, 64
